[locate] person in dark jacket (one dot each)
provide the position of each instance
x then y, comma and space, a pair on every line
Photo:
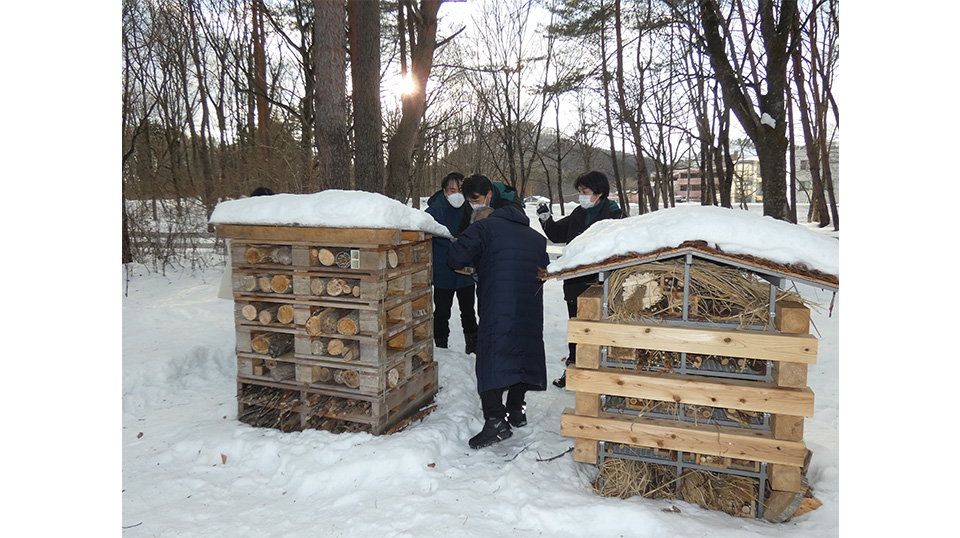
479, 192
446, 206
595, 205
508, 255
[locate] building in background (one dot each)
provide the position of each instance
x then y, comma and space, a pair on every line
805, 181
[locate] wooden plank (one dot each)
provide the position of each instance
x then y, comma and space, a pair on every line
323, 236
792, 317
588, 404
588, 356
690, 389
586, 451
714, 440
801, 348
590, 303
787, 427
785, 478
790, 374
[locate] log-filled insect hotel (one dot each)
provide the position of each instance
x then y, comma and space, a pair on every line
333, 323
691, 379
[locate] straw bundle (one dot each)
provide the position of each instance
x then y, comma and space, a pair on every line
735, 495
717, 292
623, 478
626, 478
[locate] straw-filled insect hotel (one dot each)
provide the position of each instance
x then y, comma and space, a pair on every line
333, 326
691, 379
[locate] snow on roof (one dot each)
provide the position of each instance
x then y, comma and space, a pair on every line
330, 208
730, 230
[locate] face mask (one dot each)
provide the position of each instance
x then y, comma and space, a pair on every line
586, 202
455, 199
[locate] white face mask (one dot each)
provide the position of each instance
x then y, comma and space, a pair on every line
586, 201
455, 199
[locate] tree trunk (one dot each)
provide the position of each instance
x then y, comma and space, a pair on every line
766, 127
812, 145
364, 16
260, 80
400, 147
330, 55
644, 192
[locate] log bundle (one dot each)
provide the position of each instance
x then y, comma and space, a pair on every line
334, 327
717, 412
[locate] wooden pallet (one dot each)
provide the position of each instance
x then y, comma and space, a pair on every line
294, 408
375, 364
777, 447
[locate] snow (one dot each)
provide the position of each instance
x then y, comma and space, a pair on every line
330, 208
732, 231
190, 468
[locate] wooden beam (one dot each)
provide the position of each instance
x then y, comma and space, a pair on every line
346, 237
590, 303
753, 445
800, 348
696, 390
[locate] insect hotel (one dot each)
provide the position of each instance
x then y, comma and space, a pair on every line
691, 379
333, 326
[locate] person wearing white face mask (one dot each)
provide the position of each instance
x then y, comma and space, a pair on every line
595, 205
446, 207
480, 192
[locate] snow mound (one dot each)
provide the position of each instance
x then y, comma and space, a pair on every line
331, 208
729, 230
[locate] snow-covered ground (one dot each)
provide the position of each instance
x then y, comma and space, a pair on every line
189, 468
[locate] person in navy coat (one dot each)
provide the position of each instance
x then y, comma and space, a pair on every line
508, 255
446, 206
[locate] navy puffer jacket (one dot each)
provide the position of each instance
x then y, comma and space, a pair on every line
444, 277
507, 255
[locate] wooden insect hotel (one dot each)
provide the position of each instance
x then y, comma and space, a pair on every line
691, 379
333, 326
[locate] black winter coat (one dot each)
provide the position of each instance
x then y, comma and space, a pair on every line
569, 227
507, 254
443, 277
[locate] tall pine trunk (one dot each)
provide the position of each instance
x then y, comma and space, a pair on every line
330, 41
368, 168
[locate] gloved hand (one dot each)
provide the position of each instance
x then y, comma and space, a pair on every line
543, 211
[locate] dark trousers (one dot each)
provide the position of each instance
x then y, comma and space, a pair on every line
492, 400
442, 306
572, 289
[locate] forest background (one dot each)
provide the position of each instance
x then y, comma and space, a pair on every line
222, 96
62, 69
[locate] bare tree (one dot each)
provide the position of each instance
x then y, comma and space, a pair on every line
752, 76
420, 40
330, 52
367, 120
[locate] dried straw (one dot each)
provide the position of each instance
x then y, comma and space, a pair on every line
729, 493
626, 478
719, 293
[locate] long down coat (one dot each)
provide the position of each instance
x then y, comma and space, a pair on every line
507, 254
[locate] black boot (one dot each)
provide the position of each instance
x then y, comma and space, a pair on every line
471, 341
440, 342
561, 381
494, 430
517, 418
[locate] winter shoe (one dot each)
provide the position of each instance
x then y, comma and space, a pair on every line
561, 381
471, 340
517, 418
494, 430
441, 342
